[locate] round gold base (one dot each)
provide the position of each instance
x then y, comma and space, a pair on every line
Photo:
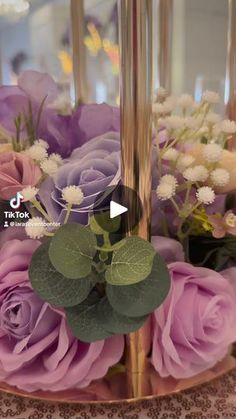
108, 391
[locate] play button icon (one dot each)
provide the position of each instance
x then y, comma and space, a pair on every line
116, 209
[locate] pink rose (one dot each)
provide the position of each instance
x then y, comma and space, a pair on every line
37, 349
196, 324
16, 172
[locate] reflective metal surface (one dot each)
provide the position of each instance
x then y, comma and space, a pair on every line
78, 50
135, 22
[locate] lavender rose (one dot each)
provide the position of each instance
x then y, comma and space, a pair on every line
93, 120
93, 167
170, 250
37, 350
196, 324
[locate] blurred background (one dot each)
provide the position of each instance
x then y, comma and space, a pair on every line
36, 34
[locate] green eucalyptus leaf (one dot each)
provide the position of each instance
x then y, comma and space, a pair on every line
144, 297
131, 263
102, 223
72, 250
115, 322
53, 286
85, 322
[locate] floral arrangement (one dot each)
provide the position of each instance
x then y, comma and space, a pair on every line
71, 291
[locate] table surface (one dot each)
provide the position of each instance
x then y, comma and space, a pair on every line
214, 400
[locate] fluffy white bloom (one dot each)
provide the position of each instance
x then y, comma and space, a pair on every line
57, 158
29, 193
205, 195
201, 173
173, 122
213, 118
228, 127
49, 167
220, 177
42, 143
165, 191
196, 174
158, 108
191, 122
203, 130
160, 92
185, 161
37, 152
72, 195
170, 104
212, 152
170, 179
35, 228
210, 97
171, 154
185, 101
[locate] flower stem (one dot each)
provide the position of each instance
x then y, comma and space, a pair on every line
68, 210
39, 207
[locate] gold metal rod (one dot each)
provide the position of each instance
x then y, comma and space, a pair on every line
78, 50
165, 43
135, 28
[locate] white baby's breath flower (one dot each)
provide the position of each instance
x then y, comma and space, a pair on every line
37, 152
213, 118
158, 108
171, 154
165, 191
57, 158
185, 161
210, 97
160, 92
42, 143
29, 193
205, 195
201, 173
196, 174
170, 179
174, 122
49, 167
170, 104
220, 177
216, 130
185, 101
212, 152
203, 130
35, 228
191, 122
72, 195
228, 127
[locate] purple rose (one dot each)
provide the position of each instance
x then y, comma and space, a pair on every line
93, 167
37, 349
170, 250
35, 87
196, 324
93, 120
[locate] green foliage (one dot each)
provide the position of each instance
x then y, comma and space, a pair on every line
84, 320
95, 319
144, 297
104, 288
103, 219
72, 250
131, 263
51, 285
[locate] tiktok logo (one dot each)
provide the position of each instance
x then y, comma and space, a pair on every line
16, 200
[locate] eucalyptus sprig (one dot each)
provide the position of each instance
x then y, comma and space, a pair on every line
104, 288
